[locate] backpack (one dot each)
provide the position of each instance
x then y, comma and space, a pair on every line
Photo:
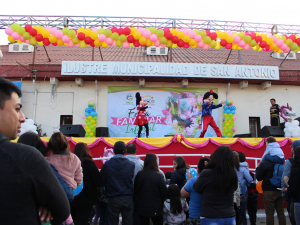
277, 175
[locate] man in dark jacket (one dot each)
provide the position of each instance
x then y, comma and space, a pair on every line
117, 174
273, 198
27, 182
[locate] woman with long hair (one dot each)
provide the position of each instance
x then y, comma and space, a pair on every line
178, 175
217, 183
83, 203
293, 182
150, 191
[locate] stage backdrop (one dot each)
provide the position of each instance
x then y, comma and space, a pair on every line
173, 111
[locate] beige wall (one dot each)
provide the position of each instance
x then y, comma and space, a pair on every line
72, 100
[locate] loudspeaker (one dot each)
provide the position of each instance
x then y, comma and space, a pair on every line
242, 135
102, 132
72, 130
169, 135
268, 131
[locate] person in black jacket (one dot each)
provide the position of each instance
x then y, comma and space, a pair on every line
117, 174
83, 203
273, 199
27, 183
178, 175
294, 184
150, 191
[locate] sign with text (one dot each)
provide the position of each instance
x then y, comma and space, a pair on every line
171, 111
100, 68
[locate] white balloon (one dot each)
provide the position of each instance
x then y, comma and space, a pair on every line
287, 134
295, 123
297, 129
290, 129
287, 124
22, 131
284, 130
30, 121
295, 134
24, 125
31, 128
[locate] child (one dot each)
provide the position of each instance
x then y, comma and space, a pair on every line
207, 107
174, 206
168, 175
252, 200
273, 151
66, 163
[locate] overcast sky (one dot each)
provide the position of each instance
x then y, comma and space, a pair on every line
258, 11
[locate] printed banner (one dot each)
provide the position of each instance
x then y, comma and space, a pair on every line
171, 111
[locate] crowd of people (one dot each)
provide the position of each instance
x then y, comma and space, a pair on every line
42, 184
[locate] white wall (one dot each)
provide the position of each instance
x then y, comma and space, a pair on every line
72, 100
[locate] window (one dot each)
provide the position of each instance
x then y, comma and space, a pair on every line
254, 126
66, 120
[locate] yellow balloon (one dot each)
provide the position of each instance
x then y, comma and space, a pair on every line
279, 51
80, 30
283, 38
270, 40
192, 42
53, 39
218, 33
46, 33
66, 44
104, 44
148, 42
40, 30
273, 46
218, 46
174, 32
224, 35
60, 42
11, 39
82, 44
41, 43
180, 34
230, 39
137, 35
193, 46
276, 35
32, 41
88, 32
264, 37
19, 41
75, 40
174, 46
133, 30
235, 46
131, 44
186, 38
94, 36
234, 33
97, 43
142, 40
169, 43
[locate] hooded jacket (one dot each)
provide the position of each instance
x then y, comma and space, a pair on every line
273, 149
117, 174
243, 172
178, 177
139, 164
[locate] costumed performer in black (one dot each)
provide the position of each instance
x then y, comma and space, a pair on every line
141, 120
207, 107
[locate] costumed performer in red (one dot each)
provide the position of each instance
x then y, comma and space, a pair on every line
141, 119
207, 107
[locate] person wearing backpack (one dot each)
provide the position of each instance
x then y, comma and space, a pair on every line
273, 200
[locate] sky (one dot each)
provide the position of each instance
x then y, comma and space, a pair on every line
258, 11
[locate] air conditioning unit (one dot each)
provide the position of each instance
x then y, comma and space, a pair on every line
243, 84
157, 50
265, 85
282, 55
184, 83
79, 81
54, 81
142, 82
1, 54
17, 47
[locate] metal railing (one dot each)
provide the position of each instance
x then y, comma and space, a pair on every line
187, 155
108, 22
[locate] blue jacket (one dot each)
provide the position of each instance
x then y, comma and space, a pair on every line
117, 174
207, 110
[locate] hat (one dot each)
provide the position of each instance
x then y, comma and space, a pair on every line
296, 144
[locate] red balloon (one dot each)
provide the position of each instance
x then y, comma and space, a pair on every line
136, 43
46, 41
81, 36
114, 29
258, 39
252, 35
298, 41
175, 39
130, 39
207, 32
120, 31
169, 35
92, 44
267, 48
223, 43
88, 40
293, 37
263, 44
54, 44
28, 27
166, 30
33, 32
186, 45
39, 37
126, 31
228, 46
213, 36
180, 43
